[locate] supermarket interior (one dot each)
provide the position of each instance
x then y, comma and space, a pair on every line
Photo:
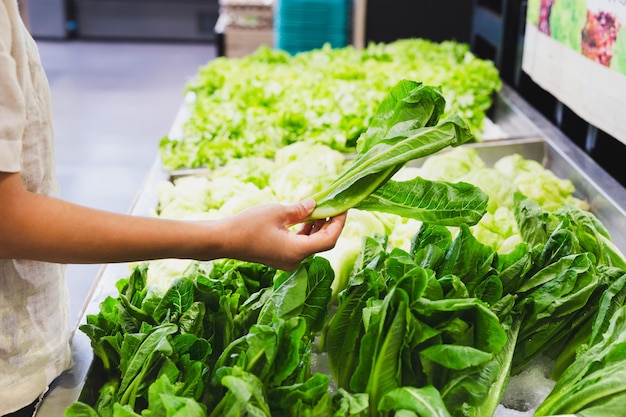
152, 98
117, 70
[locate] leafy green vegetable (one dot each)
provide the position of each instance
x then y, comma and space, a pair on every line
350, 405
306, 293
433, 202
425, 402
164, 402
80, 409
259, 104
138, 361
405, 127
595, 380
395, 327
484, 389
245, 396
216, 341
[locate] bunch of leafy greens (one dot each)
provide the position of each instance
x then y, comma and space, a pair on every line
593, 384
260, 103
581, 320
401, 331
571, 251
405, 127
435, 330
233, 341
454, 315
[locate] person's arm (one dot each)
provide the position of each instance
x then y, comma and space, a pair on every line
34, 226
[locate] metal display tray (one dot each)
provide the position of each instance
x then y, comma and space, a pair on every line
532, 136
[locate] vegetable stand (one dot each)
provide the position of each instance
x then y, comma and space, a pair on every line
526, 132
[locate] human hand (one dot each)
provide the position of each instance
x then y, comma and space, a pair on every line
263, 234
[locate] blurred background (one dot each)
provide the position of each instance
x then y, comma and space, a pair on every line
195, 20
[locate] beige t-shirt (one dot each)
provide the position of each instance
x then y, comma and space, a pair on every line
34, 325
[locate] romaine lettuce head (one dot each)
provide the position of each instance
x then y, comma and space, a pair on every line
224, 189
536, 182
302, 169
499, 188
162, 272
244, 200
498, 230
184, 197
315, 153
204, 198
402, 231
452, 164
252, 169
291, 183
359, 224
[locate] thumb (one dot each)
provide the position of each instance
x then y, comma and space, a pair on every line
301, 210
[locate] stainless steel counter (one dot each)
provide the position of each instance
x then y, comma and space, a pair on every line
527, 133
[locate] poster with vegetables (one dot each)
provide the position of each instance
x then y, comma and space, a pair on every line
576, 50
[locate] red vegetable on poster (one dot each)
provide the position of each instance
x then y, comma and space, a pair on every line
576, 51
598, 36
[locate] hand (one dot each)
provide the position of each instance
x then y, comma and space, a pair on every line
263, 234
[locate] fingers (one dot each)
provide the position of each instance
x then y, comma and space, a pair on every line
314, 237
305, 229
305, 208
335, 225
323, 234
298, 212
330, 226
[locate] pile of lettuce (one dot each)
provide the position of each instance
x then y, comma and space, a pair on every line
435, 330
255, 105
422, 309
245, 182
402, 315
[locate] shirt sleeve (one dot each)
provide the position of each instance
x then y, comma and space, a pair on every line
12, 103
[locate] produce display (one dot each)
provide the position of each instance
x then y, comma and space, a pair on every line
254, 105
406, 316
412, 316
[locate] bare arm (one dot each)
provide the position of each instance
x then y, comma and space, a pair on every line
34, 226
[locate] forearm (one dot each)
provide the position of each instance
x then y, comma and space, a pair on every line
44, 228
50, 229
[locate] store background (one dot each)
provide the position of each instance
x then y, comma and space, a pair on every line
117, 70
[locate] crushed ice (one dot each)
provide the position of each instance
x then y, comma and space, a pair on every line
526, 390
